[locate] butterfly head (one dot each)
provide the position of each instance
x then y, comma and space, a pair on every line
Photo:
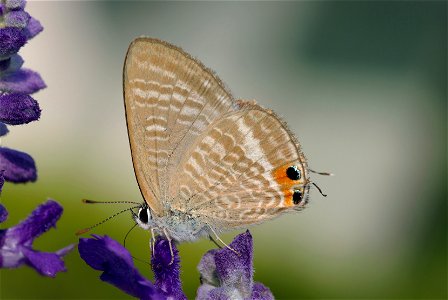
144, 217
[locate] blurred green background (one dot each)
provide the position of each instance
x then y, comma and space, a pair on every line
362, 84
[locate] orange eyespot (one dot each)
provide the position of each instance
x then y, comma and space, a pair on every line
281, 177
289, 176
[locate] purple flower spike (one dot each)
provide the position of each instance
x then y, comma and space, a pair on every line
11, 40
16, 242
19, 167
17, 19
3, 129
107, 255
23, 81
227, 275
16, 109
167, 276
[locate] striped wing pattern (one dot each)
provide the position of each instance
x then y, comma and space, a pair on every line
230, 176
196, 150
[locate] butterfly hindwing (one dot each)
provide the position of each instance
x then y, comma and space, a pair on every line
236, 172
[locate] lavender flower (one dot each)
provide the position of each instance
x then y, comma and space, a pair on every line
16, 242
23, 81
18, 109
227, 275
224, 274
11, 40
18, 166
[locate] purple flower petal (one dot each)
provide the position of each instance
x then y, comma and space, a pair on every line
10, 65
260, 292
204, 291
105, 254
16, 242
3, 213
15, 4
41, 220
16, 109
224, 293
227, 275
236, 270
17, 19
167, 276
3, 129
207, 268
11, 40
33, 28
2, 9
19, 167
23, 81
47, 264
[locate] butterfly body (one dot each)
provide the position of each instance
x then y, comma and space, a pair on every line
204, 161
181, 227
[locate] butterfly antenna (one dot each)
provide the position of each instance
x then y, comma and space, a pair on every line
124, 245
126, 236
140, 260
319, 189
322, 173
88, 201
82, 231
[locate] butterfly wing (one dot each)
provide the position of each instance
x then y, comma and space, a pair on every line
237, 171
170, 99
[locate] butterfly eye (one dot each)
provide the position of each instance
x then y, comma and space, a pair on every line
293, 173
144, 214
297, 196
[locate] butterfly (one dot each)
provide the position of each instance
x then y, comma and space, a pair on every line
204, 162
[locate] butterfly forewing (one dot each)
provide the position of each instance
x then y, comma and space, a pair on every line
170, 100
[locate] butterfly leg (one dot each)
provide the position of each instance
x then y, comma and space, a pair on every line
169, 243
214, 242
152, 242
219, 239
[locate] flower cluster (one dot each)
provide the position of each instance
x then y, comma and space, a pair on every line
224, 274
227, 275
17, 107
16, 243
